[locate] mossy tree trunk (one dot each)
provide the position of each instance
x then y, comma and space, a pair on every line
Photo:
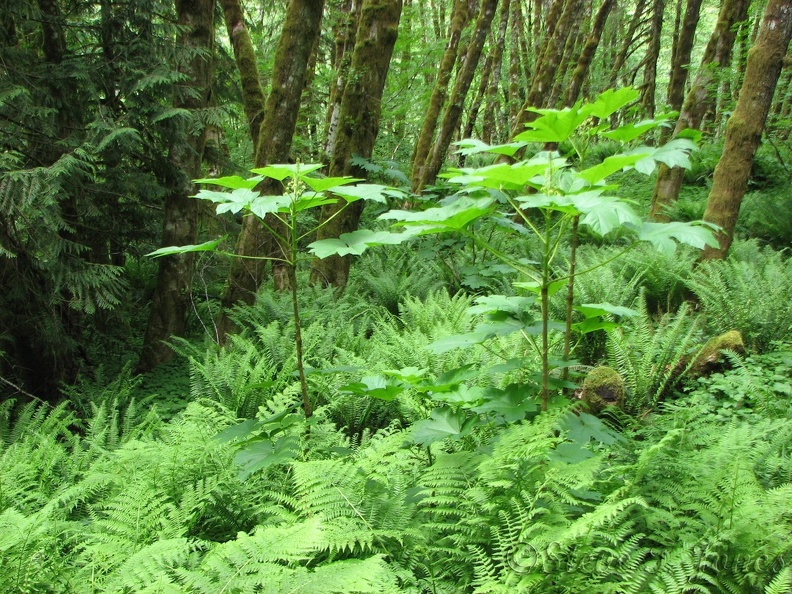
290, 73
253, 97
456, 101
547, 66
587, 54
460, 17
745, 126
680, 64
628, 42
700, 98
358, 122
491, 108
344, 33
649, 85
172, 296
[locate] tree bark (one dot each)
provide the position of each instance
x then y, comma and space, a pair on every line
700, 98
491, 106
745, 126
459, 20
683, 46
627, 42
290, 72
172, 296
456, 102
358, 122
649, 85
546, 68
245, 55
587, 55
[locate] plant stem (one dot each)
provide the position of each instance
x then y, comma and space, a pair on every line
570, 295
292, 267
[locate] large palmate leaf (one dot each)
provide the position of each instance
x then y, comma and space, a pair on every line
664, 236
444, 422
231, 182
281, 172
554, 125
451, 217
356, 242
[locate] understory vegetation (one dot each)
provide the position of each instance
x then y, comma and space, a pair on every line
432, 429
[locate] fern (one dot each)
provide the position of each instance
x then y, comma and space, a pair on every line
750, 292
653, 360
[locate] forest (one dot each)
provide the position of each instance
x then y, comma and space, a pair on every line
372, 296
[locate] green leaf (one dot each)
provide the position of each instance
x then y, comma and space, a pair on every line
594, 324
356, 242
207, 246
507, 176
239, 431
569, 453
511, 404
232, 182
443, 423
630, 132
375, 386
451, 217
611, 165
258, 455
591, 310
373, 192
320, 184
261, 206
611, 101
536, 288
662, 235
554, 125
583, 427
471, 146
309, 200
450, 379
282, 171
606, 214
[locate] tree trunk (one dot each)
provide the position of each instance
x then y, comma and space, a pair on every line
546, 68
744, 128
649, 85
700, 98
453, 112
345, 33
358, 122
172, 296
245, 56
290, 72
683, 46
491, 105
627, 42
587, 55
459, 19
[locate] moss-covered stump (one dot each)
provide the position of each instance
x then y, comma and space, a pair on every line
711, 358
602, 387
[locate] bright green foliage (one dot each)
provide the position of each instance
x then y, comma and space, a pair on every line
750, 292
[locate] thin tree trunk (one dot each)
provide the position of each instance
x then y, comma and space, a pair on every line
253, 98
649, 85
491, 106
683, 46
459, 19
345, 33
627, 42
745, 126
172, 296
289, 76
358, 122
456, 102
546, 69
700, 98
587, 55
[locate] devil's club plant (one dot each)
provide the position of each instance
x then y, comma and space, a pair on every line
547, 196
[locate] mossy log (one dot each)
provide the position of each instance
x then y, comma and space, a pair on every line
602, 387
